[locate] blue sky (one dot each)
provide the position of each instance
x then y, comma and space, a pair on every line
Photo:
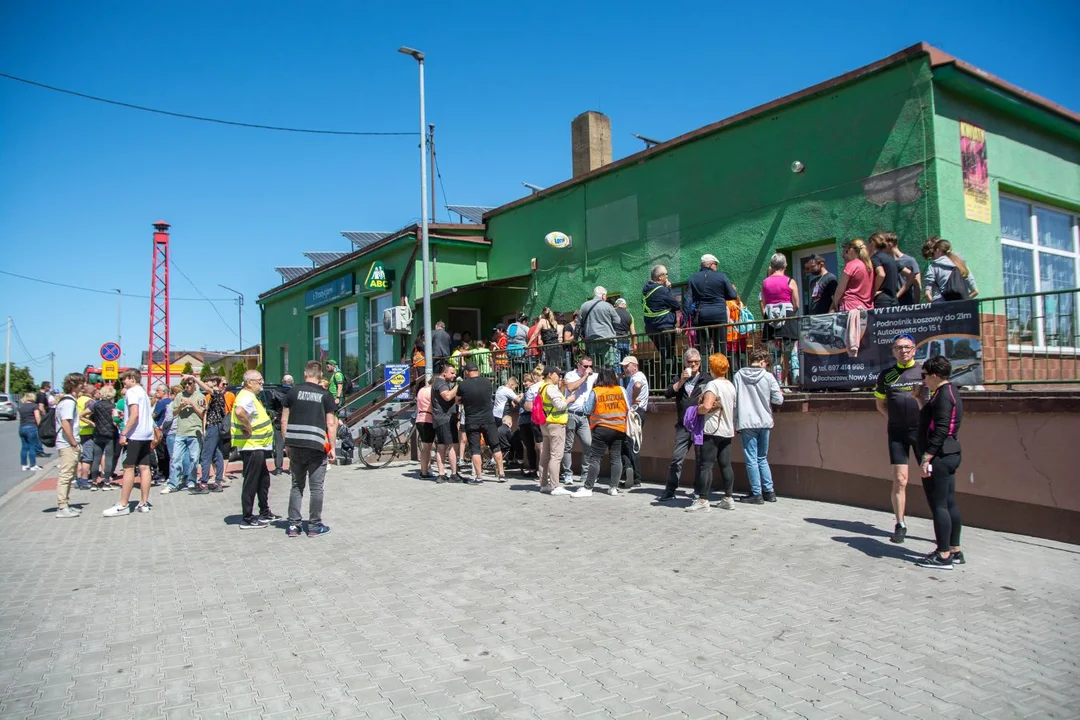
81, 182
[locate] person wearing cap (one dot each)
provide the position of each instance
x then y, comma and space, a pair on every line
596, 325
636, 386
337, 382
475, 394
553, 430
624, 330
705, 303
893, 394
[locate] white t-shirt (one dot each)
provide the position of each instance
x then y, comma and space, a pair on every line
530, 395
641, 402
578, 405
135, 396
248, 403
66, 409
721, 421
502, 396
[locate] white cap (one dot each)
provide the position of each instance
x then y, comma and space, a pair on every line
709, 258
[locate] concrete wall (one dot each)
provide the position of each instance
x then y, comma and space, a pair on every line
1018, 472
733, 193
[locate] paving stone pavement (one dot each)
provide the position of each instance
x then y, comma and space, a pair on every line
496, 601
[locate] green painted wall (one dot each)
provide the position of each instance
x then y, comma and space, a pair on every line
1022, 160
733, 194
287, 323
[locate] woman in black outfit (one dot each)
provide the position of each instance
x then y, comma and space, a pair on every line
939, 453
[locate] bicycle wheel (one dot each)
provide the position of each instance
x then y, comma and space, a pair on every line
376, 449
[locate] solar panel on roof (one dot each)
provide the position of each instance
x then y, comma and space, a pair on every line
291, 272
472, 213
321, 258
363, 238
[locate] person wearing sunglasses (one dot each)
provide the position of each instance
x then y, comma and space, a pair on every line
579, 383
939, 458
894, 399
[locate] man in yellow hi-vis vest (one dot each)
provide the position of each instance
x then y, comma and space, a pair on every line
253, 436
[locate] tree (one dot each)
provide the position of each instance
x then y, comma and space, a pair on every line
236, 376
187, 369
220, 370
21, 380
206, 372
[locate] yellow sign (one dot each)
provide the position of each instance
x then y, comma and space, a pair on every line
376, 277
110, 370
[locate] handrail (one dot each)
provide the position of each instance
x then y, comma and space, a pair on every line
364, 412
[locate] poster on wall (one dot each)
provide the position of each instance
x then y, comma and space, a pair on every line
849, 350
976, 173
395, 378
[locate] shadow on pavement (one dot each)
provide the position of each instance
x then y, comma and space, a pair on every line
875, 548
857, 526
234, 519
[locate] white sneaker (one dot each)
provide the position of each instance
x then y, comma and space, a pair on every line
583, 492
168, 489
699, 506
143, 507
725, 504
568, 480
561, 491
67, 512
117, 511
613, 491
546, 489
24, 468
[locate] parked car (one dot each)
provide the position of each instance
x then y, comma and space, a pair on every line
8, 411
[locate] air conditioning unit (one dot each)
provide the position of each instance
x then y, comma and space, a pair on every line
397, 320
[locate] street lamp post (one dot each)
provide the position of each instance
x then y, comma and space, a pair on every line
425, 250
239, 313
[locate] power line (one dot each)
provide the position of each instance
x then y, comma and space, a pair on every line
186, 116
18, 338
438, 173
105, 292
192, 282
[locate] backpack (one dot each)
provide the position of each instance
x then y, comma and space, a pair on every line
347, 386
47, 426
539, 417
955, 287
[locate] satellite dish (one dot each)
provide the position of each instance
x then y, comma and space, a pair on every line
558, 240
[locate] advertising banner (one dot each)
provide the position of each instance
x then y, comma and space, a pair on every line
976, 173
849, 350
396, 377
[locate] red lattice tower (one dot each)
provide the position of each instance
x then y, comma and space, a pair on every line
159, 307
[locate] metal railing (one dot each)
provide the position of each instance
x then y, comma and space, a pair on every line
1027, 339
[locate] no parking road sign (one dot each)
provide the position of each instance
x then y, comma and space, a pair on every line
110, 351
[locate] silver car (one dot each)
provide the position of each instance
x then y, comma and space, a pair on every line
8, 411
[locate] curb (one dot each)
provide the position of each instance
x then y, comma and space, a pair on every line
29, 482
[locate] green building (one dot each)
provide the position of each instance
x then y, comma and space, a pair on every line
879, 148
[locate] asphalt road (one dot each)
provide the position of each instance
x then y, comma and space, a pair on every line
10, 474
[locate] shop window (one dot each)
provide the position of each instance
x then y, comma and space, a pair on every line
349, 340
320, 337
1039, 248
380, 345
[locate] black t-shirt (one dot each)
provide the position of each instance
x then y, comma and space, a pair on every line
42, 399
475, 394
894, 387
822, 290
441, 410
26, 414
891, 283
308, 404
623, 328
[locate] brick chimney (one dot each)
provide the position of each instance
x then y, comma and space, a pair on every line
590, 139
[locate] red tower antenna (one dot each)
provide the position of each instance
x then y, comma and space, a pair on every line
159, 307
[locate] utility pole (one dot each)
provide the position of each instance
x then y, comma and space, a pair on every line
119, 299
52, 369
431, 151
239, 313
7, 356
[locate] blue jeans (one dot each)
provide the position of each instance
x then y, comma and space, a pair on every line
755, 445
622, 349
28, 434
211, 453
184, 459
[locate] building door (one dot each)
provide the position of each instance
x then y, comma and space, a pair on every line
461, 320
380, 346
798, 257
349, 341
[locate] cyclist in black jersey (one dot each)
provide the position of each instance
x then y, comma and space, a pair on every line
896, 401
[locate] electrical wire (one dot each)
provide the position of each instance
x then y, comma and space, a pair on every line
32, 360
438, 174
107, 292
186, 116
177, 268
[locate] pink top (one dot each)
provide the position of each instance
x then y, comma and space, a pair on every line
776, 289
860, 286
423, 405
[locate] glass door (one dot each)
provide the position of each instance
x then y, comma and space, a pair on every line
349, 341
380, 346
802, 280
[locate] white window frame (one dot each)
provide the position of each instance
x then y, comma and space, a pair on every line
1039, 341
344, 334
316, 338
375, 324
